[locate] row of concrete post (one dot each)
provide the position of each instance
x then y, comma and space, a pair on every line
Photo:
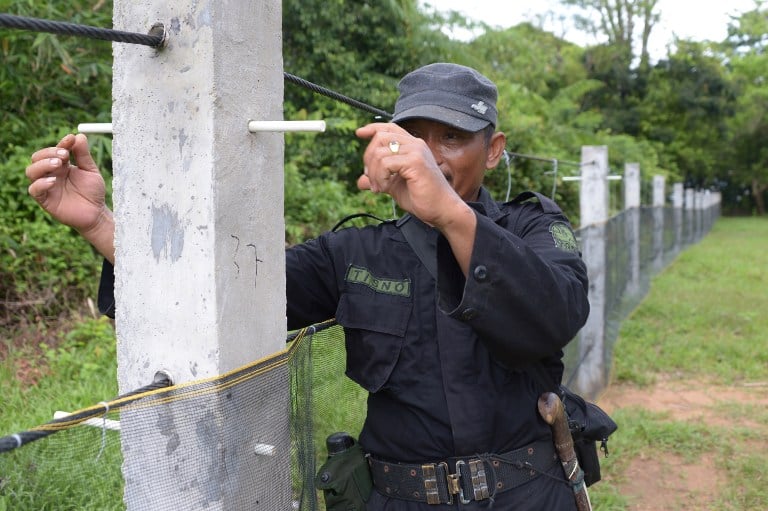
594, 189
690, 216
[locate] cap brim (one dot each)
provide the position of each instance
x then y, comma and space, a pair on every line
444, 115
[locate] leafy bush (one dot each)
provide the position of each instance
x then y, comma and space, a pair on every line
48, 84
49, 81
42, 268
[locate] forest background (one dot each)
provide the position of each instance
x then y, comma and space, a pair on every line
698, 115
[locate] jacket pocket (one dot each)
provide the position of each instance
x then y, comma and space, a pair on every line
374, 328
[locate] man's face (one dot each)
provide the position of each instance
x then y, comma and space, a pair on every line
461, 155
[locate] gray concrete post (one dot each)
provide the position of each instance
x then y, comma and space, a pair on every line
690, 195
200, 264
677, 195
632, 225
698, 206
698, 199
591, 373
689, 216
631, 185
659, 183
659, 201
594, 185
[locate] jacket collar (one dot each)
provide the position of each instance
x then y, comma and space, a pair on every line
486, 205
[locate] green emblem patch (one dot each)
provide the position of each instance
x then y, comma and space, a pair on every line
563, 237
360, 275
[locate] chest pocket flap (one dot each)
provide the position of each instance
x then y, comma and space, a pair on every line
374, 326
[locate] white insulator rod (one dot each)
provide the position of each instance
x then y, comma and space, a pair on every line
264, 449
260, 126
578, 178
95, 127
253, 126
96, 423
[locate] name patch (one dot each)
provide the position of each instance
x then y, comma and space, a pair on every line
360, 275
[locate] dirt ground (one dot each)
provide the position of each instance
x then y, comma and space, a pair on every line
669, 483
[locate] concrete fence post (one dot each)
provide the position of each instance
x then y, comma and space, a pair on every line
631, 185
678, 203
677, 195
659, 183
659, 212
690, 198
594, 185
591, 373
200, 263
632, 225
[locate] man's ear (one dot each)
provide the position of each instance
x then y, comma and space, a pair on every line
495, 149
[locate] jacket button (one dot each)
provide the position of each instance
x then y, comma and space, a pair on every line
468, 314
481, 273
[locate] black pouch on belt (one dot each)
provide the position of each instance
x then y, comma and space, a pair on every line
345, 477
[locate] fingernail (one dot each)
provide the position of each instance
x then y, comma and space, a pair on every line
49, 179
62, 152
55, 162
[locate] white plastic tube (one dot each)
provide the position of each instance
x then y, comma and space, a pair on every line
264, 449
90, 128
578, 178
262, 126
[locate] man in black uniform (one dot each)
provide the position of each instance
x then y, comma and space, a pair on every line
447, 320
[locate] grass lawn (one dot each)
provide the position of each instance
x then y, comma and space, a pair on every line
690, 382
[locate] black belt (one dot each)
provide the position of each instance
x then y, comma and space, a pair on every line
472, 478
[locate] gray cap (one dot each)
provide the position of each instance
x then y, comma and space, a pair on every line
448, 93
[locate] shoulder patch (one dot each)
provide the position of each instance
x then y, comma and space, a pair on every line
563, 237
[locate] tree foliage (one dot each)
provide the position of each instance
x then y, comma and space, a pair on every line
747, 171
625, 24
48, 84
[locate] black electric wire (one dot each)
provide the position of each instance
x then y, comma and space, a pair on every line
60, 27
10, 442
335, 95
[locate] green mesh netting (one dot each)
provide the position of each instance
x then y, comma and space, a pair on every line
247, 465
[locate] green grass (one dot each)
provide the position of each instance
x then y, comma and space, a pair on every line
705, 314
52, 473
703, 320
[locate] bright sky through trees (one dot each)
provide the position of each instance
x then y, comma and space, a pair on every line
688, 19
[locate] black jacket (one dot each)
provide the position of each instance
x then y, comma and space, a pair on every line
446, 362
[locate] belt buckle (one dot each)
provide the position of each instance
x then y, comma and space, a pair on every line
454, 483
432, 489
430, 483
479, 481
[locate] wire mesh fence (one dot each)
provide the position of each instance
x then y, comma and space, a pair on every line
622, 256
